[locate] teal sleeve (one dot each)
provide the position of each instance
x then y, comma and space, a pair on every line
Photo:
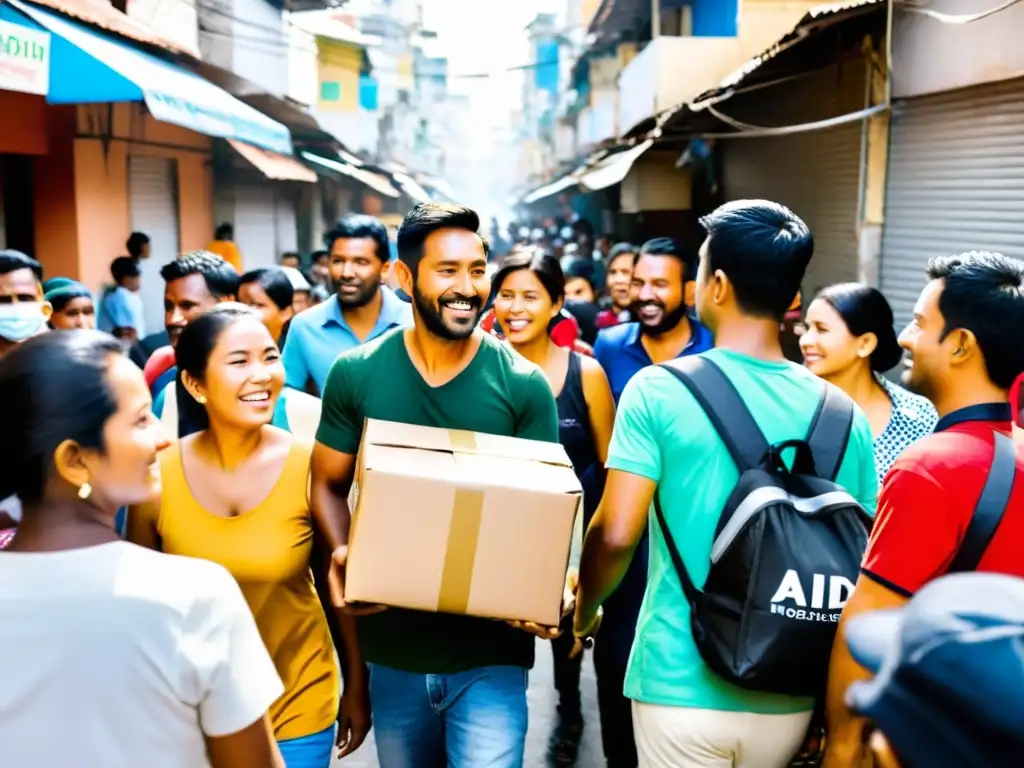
635, 445
158, 402
341, 417
538, 414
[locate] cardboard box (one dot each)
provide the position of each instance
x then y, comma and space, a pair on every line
460, 522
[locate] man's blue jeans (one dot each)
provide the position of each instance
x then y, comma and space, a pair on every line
472, 719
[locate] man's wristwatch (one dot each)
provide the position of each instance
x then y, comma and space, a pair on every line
588, 637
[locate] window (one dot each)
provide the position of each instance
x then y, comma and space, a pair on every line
330, 91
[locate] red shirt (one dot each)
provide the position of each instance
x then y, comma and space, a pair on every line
927, 501
161, 361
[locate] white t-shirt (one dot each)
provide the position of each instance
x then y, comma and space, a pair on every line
116, 656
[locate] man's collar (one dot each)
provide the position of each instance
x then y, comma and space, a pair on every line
978, 412
391, 308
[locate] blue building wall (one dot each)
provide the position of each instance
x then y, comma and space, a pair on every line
715, 18
545, 74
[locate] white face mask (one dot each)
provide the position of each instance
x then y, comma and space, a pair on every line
22, 320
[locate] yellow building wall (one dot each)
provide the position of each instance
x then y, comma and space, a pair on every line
338, 66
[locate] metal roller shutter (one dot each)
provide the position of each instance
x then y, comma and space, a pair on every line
153, 195
955, 183
256, 225
816, 174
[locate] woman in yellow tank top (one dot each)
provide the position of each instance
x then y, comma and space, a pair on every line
236, 493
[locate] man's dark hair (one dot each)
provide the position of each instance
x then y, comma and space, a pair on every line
123, 268
221, 278
361, 225
984, 293
621, 249
764, 249
317, 255
225, 232
12, 261
666, 246
135, 243
425, 219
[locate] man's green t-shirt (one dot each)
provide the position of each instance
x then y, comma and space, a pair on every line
662, 434
500, 393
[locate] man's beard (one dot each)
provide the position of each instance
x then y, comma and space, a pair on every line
367, 289
433, 318
669, 320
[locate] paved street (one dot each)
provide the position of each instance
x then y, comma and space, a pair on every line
542, 718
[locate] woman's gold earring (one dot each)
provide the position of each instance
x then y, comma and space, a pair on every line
84, 491
201, 399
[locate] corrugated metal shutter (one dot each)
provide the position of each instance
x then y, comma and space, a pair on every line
955, 183
256, 225
816, 174
153, 195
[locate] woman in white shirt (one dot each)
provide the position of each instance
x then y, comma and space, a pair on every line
117, 656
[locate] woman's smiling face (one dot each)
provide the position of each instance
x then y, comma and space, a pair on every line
523, 307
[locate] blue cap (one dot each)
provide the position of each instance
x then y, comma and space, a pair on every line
949, 672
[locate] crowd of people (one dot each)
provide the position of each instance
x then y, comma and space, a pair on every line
175, 502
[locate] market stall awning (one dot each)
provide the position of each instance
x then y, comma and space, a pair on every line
88, 66
612, 169
411, 187
553, 188
372, 180
272, 165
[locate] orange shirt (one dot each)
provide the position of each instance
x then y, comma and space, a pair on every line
228, 251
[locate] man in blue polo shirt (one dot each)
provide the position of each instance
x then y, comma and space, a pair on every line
361, 310
662, 291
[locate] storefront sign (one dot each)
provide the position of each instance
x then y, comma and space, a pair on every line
24, 59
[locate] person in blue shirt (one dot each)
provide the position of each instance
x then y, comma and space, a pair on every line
662, 291
121, 306
361, 309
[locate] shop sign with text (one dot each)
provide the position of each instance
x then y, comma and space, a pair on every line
24, 59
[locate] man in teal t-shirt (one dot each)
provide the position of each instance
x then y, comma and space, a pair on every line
684, 714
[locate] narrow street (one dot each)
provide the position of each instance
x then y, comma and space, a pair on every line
542, 702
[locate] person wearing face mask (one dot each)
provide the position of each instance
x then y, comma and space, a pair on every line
135, 657
849, 341
529, 290
23, 314
23, 310
235, 493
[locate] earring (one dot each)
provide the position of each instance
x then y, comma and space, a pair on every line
84, 491
201, 399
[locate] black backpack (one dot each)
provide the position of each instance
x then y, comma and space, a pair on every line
787, 548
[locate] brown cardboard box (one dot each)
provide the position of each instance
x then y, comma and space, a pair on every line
460, 522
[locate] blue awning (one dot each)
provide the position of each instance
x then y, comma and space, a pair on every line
87, 67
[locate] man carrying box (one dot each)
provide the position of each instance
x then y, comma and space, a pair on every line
444, 688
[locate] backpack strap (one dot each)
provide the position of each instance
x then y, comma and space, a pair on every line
724, 408
991, 506
830, 430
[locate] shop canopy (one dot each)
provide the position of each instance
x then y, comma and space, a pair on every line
374, 181
88, 67
611, 170
559, 185
272, 165
411, 187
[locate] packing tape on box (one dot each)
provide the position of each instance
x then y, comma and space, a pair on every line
462, 440
463, 536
